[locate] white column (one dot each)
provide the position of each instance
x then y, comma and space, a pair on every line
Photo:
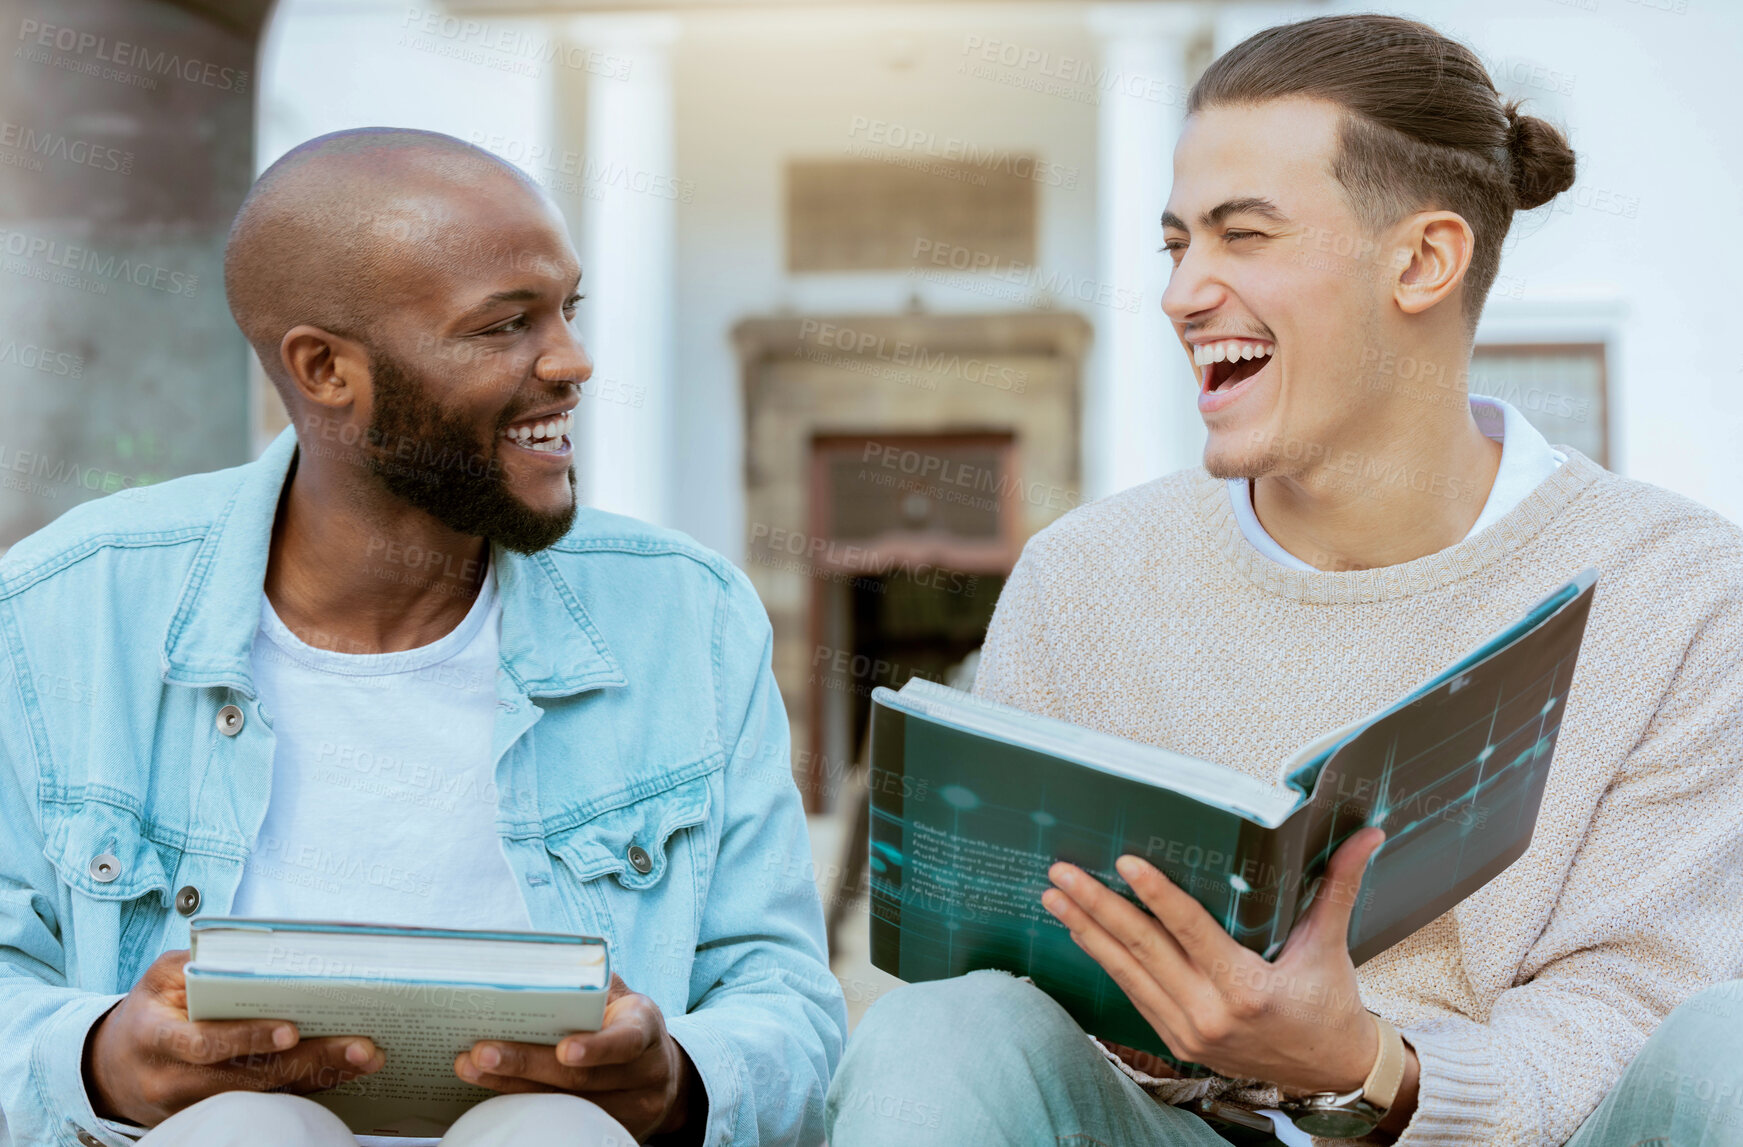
1141, 419
627, 273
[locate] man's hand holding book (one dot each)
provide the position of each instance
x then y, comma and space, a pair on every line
632, 1067
1297, 1021
145, 1060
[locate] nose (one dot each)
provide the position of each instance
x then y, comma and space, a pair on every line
1191, 290
568, 361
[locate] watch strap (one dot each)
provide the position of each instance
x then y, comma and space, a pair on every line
1381, 1086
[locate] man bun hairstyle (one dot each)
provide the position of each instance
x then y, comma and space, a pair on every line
1425, 127
1543, 164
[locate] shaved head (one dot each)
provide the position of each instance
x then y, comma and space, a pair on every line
335, 232
411, 297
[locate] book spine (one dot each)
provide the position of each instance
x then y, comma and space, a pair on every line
886, 845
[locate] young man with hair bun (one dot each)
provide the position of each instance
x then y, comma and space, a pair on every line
1342, 187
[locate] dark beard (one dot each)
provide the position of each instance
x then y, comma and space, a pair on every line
433, 461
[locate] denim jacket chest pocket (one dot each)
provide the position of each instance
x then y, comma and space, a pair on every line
117, 888
638, 873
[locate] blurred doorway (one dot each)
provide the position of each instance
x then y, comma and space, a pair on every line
894, 467
923, 528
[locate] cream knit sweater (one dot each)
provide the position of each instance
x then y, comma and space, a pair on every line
1149, 615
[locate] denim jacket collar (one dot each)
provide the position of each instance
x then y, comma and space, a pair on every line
550, 647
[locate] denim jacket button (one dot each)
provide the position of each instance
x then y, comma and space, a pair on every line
229, 720
640, 860
88, 1139
105, 867
188, 900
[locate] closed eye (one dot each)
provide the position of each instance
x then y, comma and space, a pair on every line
1175, 246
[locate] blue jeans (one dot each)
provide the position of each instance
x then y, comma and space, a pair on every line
987, 1058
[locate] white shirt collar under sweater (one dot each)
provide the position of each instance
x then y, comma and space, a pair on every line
1526, 459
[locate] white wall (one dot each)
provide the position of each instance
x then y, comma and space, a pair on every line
327, 65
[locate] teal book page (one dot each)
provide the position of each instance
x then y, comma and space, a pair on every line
964, 829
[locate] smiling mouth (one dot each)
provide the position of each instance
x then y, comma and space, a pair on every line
1226, 363
549, 435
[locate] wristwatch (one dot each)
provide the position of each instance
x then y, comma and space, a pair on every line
1352, 1114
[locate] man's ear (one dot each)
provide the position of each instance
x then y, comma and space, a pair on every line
326, 369
1440, 245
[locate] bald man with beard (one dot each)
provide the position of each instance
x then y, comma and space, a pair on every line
391, 673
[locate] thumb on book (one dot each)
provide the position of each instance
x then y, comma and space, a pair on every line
1328, 920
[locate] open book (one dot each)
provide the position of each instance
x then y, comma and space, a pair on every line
424, 995
972, 801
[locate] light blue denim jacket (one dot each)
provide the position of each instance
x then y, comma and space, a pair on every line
636, 706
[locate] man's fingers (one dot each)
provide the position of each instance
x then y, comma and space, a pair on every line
1147, 995
632, 1026
489, 1062
213, 1041
1158, 951
505, 1084
1205, 942
1328, 920
313, 1065
316, 1064
509, 1061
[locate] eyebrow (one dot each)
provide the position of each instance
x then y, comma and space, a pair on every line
1247, 205
516, 295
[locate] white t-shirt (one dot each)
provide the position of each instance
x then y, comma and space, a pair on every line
383, 806
1526, 459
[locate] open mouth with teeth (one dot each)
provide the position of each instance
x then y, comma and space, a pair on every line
548, 435
1226, 363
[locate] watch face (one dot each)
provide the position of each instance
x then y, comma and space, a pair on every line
1330, 1123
